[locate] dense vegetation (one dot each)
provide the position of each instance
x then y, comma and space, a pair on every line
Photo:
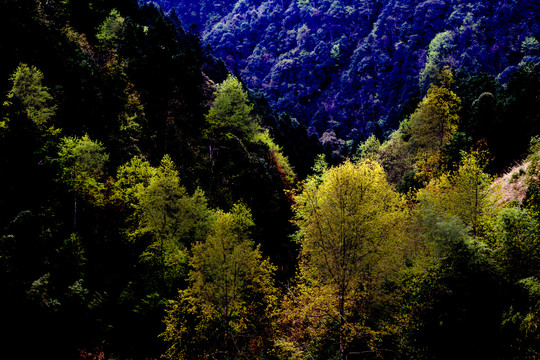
151, 206
349, 69
116, 157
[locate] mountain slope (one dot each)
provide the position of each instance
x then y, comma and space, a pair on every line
358, 67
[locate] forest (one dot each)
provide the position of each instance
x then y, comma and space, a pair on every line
350, 69
276, 179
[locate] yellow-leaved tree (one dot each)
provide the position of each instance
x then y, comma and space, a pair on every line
433, 124
466, 193
349, 221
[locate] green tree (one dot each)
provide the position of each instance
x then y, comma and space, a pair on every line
225, 309
530, 46
168, 218
517, 246
130, 177
445, 232
229, 117
369, 149
110, 31
466, 193
131, 120
34, 97
439, 54
347, 224
516, 255
82, 165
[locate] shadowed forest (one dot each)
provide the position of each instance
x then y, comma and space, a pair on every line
254, 179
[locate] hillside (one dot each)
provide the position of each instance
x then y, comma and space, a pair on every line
357, 68
106, 120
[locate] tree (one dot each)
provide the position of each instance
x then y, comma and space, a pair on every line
34, 97
233, 136
434, 122
28, 140
396, 156
131, 121
369, 149
82, 165
130, 176
462, 298
517, 257
517, 246
347, 225
439, 54
109, 35
110, 31
279, 161
530, 48
229, 117
169, 219
306, 321
226, 307
466, 193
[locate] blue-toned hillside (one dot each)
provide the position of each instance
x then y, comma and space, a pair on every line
352, 68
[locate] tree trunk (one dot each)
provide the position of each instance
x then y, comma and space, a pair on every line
75, 210
341, 326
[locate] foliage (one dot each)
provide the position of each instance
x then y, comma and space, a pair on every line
369, 149
348, 236
439, 52
133, 176
34, 97
82, 163
517, 247
109, 32
104, 235
226, 307
307, 319
433, 124
465, 193
229, 115
281, 161
170, 219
